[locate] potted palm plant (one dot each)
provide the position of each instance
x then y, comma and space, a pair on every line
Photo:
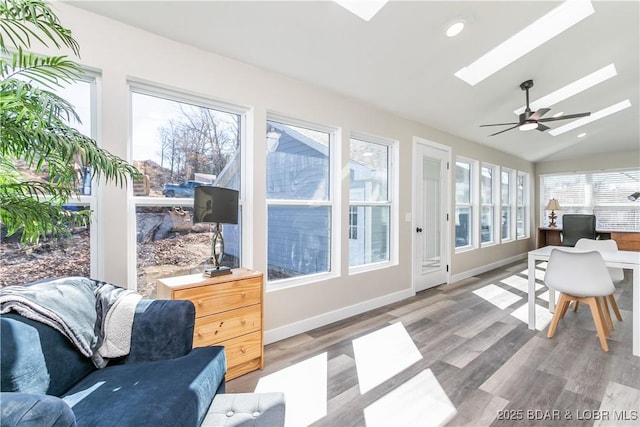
36, 130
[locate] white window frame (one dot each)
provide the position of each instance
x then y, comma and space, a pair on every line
392, 179
494, 204
177, 95
510, 204
96, 227
527, 204
331, 202
474, 195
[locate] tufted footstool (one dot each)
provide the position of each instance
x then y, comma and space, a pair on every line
246, 410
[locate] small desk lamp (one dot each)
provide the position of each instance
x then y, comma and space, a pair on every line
215, 205
552, 206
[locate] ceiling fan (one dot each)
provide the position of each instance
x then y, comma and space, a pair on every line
533, 120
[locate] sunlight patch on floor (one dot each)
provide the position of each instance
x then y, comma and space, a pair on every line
305, 387
421, 401
543, 315
539, 272
519, 283
497, 296
382, 354
621, 403
544, 296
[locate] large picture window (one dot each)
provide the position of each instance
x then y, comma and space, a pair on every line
299, 207
179, 143
603, 193
369, 202
74, 254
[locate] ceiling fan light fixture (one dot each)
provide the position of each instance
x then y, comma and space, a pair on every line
455, 29
574, 88
528, 126
542, 30
593, 117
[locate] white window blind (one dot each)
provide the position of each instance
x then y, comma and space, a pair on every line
604, 194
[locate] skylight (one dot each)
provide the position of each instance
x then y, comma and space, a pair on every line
365, 9
572, 88
544, 29
593, 117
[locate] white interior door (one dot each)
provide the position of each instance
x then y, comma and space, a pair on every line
430, 214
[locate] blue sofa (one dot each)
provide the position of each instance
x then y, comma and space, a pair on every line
163, 381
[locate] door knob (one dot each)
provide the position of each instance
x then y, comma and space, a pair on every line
418, 230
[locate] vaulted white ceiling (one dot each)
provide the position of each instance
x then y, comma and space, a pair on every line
401, 60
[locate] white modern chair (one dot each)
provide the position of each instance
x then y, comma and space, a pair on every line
617, 274
583, 277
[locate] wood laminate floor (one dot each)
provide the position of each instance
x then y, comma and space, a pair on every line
457, 355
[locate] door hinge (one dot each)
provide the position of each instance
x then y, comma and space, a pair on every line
447, 268
447, 217
447, 165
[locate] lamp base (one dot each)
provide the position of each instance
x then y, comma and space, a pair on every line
216, 271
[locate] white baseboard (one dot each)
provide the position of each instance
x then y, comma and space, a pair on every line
479, 270
305, 325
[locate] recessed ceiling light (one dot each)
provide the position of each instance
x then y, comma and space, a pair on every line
455, 29
580, 135
572, 88
595, 116
550, 25
365, 9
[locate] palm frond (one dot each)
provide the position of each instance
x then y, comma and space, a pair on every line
24, 20
36, 127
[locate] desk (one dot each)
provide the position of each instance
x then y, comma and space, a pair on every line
622, 259
626, 240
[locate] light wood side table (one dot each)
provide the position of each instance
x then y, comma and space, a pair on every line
229, 312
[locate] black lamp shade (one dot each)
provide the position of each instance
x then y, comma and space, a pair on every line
215, 205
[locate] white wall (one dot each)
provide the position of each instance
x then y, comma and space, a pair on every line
121, 52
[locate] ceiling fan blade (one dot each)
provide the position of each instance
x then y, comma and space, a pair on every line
568, 116
542, 127
493, 134
541, 112
500, 124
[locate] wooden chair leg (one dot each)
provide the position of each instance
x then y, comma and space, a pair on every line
604, 307
614, 305
563, 303
598, 320
563, 308
575, 306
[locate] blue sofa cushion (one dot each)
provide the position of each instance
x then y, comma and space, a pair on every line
33, 410
162, 329
36, 358
174, 392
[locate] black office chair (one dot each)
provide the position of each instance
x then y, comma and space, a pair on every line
576, 227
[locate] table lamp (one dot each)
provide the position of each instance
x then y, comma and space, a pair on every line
553, 206
215, 205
